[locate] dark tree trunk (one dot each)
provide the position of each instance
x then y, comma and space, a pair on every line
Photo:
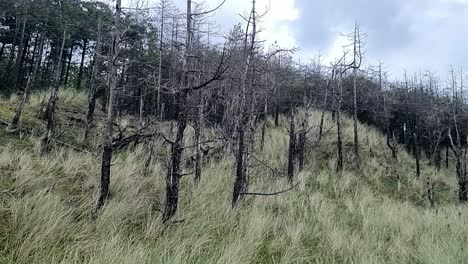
51, 105
150, 157
241, 181
277, 112
322, 119
392, 144
292, 148
104, 189
303, 141
30, 83
80, 72
173, 179
436, 157
34, 52
92, 93
20, 57
265, 117
107, 152
339, 142
447, 157
416, 154
21, 68
198, 138
461, 175
67, 73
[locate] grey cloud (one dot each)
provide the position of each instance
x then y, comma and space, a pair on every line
412, 34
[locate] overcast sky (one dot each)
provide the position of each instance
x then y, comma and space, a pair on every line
416, 35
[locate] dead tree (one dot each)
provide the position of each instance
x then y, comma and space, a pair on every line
199, 127
21, 50
392, 144
159, 108
29, 84
339, 140
51, 105
459, 151
181, 112
150, 157
303, 140
447, 157
247, 102
173, 178
264, 124
355, 65
92, 93
292, 147
459, 154
391, 140
357, 59
104, 190
416, 154
324, 110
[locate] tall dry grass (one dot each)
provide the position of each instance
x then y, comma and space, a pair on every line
359, 216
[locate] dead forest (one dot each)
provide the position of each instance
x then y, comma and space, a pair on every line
170, 71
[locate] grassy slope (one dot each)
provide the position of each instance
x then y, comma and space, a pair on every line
358, 217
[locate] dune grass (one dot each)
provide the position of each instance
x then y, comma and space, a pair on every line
360, 216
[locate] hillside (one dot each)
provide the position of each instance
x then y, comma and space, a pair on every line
361, 216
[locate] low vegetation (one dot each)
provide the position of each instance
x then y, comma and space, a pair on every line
357, 216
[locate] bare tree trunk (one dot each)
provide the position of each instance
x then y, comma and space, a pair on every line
357, 59
355, 119
292, 148
67, 73
92, 93
80, 72
150, 157
198, 138
51, 105
265, 117
447, 157
173, 179
461, 173
141, 110
104, 190
303, 140
161, 39
277, 113
435, 157
246, 118
322, 116
393, 146
19, 58
31, 81
240, 183
339, 141
416, 154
